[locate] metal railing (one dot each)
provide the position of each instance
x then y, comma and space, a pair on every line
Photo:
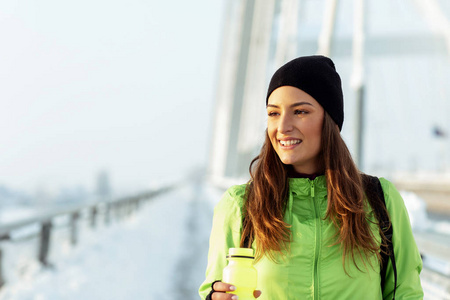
110, 210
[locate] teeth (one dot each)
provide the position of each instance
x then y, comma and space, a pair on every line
290, 142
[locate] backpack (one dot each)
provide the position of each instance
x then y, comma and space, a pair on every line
375, 196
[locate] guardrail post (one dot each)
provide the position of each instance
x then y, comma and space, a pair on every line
73, 228
122, 211
93, 216
129, 208
107, 213
44, 242
134, 206
116, 211
2, 280
138, 204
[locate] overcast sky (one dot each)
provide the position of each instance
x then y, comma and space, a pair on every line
122, 86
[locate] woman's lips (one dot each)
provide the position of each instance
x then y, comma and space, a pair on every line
289, 144
286, 143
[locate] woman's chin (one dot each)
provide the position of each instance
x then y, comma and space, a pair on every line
287, 161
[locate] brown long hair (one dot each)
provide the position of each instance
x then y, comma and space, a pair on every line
267, 196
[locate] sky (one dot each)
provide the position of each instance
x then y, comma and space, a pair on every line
121, 86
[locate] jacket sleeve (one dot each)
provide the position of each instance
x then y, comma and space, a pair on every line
225, 234
407, 256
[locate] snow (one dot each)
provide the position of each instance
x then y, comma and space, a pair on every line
418, 216
416, 207
442, 227
13, 213
158, 253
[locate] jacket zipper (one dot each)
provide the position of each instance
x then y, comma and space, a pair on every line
317, 243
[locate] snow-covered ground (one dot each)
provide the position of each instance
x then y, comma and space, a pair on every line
158, 253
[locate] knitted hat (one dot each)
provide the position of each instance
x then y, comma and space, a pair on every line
317, 76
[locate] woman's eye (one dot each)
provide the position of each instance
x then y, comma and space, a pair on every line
300, 112
272, 113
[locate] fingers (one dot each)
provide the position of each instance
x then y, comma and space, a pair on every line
223, 296
220, 289
223, 287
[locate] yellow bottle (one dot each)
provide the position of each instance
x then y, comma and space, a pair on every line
240, 272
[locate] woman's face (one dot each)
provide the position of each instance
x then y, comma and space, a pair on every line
294, 126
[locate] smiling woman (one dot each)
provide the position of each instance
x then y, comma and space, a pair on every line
315, 233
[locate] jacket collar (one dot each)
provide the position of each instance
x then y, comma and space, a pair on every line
303, 187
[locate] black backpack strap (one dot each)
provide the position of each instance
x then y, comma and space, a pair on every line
375, 196
247, 240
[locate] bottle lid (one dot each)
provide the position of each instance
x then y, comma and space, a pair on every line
240, 253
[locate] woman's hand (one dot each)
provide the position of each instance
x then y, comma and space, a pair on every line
220, 288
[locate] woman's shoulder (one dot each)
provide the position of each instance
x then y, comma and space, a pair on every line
237, 191
385, 184
393, 199
233, 197
388, 187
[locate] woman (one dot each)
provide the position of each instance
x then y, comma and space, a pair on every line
304, 210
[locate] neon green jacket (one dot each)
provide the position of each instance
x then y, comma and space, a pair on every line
313, 269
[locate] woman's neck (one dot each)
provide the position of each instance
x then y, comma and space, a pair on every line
292, 173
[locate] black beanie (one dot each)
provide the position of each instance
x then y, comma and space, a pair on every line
317, 76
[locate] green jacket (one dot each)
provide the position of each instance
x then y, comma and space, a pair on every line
313, 269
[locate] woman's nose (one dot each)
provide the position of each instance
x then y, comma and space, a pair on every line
285, 124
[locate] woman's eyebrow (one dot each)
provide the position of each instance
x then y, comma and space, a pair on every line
301, 103
272, 105
292, 105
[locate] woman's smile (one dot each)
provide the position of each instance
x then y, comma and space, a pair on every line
289, 143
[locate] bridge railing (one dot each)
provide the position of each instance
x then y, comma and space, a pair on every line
92, 213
